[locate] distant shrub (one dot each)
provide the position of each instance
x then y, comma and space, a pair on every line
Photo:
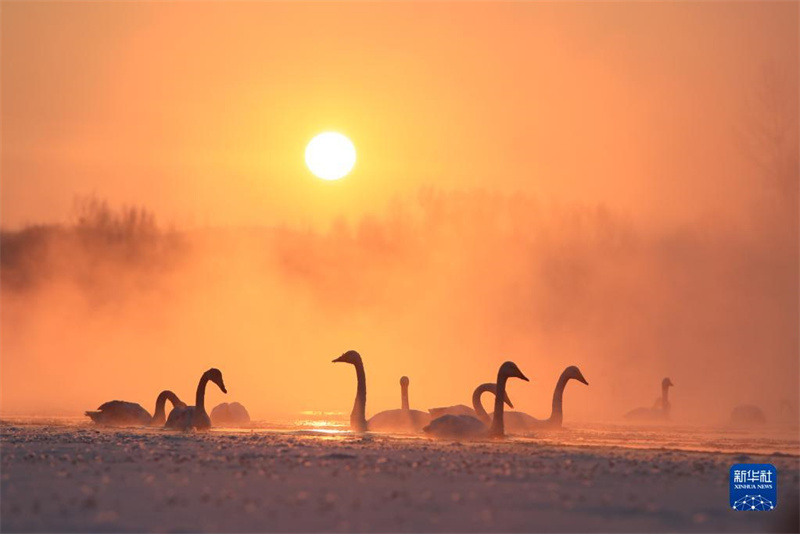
95, 220
100, 249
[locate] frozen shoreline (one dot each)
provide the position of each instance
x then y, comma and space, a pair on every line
80, 479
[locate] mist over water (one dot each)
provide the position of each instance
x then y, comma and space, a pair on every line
442, 288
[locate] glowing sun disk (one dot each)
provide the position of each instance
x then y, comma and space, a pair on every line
330, 156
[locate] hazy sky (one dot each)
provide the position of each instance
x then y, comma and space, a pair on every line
201, 110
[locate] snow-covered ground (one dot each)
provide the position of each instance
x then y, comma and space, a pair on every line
74, 477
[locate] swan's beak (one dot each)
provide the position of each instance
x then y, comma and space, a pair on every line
339, 359
523, 377
221, 384
581, 379
508, 402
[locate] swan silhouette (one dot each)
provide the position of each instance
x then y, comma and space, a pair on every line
123, 413
477, 409
660, 409
466, 426
229, 414
403, 420
358, 419
196, 416
519, 421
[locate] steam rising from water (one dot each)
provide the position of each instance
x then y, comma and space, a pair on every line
442, 288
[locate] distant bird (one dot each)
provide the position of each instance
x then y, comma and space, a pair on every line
358, 419
661, 409
748, 414
122, 413
229, 414
403, 420
477, 409
466, 426
520, 422
196, 416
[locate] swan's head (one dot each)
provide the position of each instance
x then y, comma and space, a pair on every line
492, 388
176, 402
215, 375
511, 370
666, 383
404, 381
573, 372
350, 356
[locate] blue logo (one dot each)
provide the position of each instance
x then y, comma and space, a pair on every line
754, 487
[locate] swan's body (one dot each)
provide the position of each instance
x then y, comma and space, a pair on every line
659, 412
458, 409
457, 426
477, 410
229, 414
120, 413
748, 414
520, 422
470, 427
196, 416
123, 413
403, 420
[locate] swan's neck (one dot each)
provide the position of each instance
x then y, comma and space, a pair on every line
404, 396
477, 406
557, 415
497, 430
200, 397
161, 402
665, 397
358, 418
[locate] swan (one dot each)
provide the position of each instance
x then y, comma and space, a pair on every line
123, 413
358, 419
196, 416
477, 409
229, 414
402, 420
660, 409
466, 426
519, 421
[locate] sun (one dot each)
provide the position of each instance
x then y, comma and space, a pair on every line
330, 156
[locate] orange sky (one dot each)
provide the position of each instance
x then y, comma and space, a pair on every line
201, 110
